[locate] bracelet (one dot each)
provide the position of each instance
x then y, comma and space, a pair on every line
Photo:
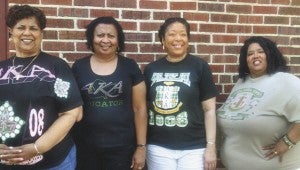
210, 142
141, 145
36, 149
288, 142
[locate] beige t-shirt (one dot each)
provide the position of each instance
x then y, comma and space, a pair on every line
258, 112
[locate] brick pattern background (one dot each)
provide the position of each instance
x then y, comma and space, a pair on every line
218, 29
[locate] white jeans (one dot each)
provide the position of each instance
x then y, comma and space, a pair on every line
160, 158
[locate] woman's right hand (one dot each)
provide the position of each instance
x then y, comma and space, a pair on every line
210, 157
9, 155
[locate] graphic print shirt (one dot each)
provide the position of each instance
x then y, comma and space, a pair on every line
108, 117
257, 113
30, 102
174, 95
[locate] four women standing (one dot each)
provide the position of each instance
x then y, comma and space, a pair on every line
181, 104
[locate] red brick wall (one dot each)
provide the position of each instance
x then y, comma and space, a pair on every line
218, 28
3, 29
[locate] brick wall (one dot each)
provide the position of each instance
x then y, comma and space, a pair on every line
218, 28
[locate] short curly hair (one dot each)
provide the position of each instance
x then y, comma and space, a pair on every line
90, 28
19, 12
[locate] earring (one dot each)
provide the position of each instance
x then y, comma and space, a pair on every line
163, 47
9, 35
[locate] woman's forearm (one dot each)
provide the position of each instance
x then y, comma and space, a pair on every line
58, 130
294, 132
209, 107
140, 112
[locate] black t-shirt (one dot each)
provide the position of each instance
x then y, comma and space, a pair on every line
108, 117
30, 102
174, 95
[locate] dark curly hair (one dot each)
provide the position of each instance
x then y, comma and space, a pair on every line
168, 22
89, 33
19, 12
275, 60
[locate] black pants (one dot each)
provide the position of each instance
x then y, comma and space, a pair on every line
104, 159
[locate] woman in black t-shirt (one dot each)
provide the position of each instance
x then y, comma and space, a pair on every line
39, 99
112, 134
181, 97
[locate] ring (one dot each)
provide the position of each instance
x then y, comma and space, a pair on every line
275, 152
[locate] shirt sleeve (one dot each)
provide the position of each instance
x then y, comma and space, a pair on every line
66, 89
292, 109
137, 75
206, 85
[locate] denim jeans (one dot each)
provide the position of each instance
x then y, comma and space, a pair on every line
69, 163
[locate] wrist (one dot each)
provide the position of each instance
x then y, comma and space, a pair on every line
287, 141
143, 146
36, 150
210, 142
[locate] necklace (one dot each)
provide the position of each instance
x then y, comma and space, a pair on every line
19, 73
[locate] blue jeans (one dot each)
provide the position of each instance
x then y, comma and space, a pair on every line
69, 163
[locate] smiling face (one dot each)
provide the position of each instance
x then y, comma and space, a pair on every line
176, 40
256, 60
105, 41
27, 37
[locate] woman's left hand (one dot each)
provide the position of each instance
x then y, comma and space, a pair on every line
139, 158
276, 149
210, 157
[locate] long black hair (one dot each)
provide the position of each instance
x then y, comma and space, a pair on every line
275, 60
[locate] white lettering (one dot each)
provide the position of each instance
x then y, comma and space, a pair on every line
36, 122
176, 77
